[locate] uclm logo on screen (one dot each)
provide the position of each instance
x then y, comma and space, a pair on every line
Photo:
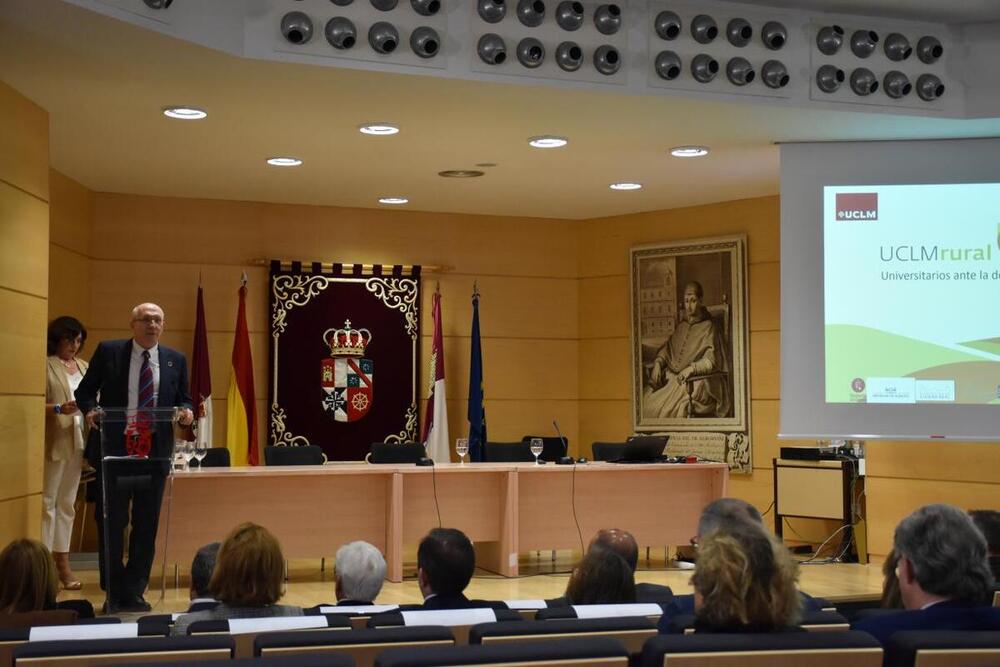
861, 206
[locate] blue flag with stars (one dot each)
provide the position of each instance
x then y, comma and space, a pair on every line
477, 397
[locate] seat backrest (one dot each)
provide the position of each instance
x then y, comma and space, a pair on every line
34, 618
942, 648
402, 452
775, 649
632, 632
459, 620
589, 651
362, 645
216, 457
606, 451
358, 616
305, 455
996, 598
823, 621
88, 652
508, 452
648, 610
552, 448
246, 630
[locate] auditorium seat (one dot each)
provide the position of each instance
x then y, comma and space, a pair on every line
942, 648
388, 452
362, 645
812, 621
87, 652
305, 455
459, 620
280, 661
649, 610
773, 649
592, 651
37, 618
509, 452
358, 616
632, 632
606, 451
245, 630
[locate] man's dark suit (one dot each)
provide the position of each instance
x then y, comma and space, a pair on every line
137, 481
948, 615
449, 602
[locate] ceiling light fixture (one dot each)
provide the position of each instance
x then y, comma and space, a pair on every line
284, 161
626, 186
393, 201
184, 113
547, 141
379, 129
460, 173
689, 151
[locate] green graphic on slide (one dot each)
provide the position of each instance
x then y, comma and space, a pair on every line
861, 352
991, 345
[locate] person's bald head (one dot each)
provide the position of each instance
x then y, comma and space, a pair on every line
620, 542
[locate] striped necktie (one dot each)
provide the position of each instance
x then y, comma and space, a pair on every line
146, 383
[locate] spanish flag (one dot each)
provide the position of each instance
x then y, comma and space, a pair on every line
241, 422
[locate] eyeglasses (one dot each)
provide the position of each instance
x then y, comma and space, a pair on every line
149, 319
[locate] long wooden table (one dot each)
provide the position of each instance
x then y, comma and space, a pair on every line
505, 509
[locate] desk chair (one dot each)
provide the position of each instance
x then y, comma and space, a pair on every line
361, 645
88, 652
389, 452
942, 648
305, 455
590, 651
774, 649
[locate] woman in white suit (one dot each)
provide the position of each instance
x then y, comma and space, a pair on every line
64, 441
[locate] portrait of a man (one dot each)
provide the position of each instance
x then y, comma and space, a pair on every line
689, 333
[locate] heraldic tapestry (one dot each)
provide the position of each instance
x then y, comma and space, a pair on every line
335, 329
690, 371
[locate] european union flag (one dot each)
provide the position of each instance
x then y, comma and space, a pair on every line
477, 407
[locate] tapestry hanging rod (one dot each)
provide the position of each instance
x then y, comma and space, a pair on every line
365, 268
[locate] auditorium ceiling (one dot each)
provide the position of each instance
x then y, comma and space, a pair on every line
104, 83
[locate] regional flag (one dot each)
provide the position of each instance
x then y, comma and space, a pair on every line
435, 433
201, 378
241, 422
477, 391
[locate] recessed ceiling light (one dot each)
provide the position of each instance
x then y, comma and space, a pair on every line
379, 129
547, 141
626, 186
284, 161
184, 113
689, 151
460, 173
394, 201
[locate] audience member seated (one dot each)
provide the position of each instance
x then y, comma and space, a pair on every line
247, 580
988, 523
601, 577
744, 582
29, 582
722, 515
359, 573
944, 577
445, 563
201, 574
623, 543
890, 582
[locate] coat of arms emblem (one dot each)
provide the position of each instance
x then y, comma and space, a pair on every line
347, 378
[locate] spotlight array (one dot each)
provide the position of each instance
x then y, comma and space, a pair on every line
885, 62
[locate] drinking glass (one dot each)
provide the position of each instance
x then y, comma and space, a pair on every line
187, 451
536, 448
461, 448
200, 450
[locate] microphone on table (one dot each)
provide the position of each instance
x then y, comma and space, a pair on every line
565, 459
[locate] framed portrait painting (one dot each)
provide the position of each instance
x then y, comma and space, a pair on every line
690, 372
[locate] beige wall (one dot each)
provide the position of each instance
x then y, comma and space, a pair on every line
71, 222
24, 269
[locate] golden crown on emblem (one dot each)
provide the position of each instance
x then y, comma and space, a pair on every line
347, 342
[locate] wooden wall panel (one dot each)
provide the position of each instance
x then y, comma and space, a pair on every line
22, 343
21, 517
24, 152
765, 358
71, 214
69, 285
764, 288
24, 253
604, 307
949, 461
22, 444
605, 369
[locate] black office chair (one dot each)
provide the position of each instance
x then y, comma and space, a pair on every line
553, 449
305, 455
216, 457
606, 451
509, 452
392, 452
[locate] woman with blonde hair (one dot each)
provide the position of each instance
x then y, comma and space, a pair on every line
744, 582
247, 581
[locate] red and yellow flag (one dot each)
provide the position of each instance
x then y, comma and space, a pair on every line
241, 422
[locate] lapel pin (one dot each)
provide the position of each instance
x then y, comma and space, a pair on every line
170, 364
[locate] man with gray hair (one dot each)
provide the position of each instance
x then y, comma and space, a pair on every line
359, 573
944, 577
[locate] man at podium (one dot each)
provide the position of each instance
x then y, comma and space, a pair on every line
136, 374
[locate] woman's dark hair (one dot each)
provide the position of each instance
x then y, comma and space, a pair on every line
64, 328
28, 580
601, 577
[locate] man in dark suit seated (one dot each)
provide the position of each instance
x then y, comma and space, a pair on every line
944, 576
201, 573
445, 563
720, 515
359, 573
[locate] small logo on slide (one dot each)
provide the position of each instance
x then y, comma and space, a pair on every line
857, 206
857, 385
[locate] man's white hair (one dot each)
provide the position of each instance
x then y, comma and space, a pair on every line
360, 568
146, 306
